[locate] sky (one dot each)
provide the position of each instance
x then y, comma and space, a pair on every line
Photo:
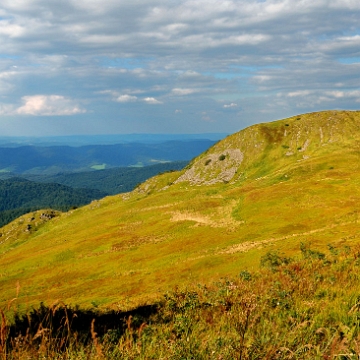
173, 66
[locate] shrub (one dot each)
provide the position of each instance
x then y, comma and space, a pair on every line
273, 260
245, 275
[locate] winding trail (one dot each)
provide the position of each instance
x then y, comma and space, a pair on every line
249, 245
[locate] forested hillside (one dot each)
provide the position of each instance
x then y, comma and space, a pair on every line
110, 181
19, 196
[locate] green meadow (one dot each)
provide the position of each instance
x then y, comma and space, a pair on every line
276, 202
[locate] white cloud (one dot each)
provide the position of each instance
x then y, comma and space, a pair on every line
310, 99
126, 98
262, 78
305, 51
181, 92
10, 30
152, 101
299, 93
329, 93
48, 105
232, 105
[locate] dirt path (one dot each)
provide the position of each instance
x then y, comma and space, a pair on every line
249, 245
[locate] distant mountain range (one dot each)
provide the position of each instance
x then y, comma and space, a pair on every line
82, 140
57, 159
64, 176
109, 181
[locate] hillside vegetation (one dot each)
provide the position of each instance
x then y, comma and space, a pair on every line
111, 181
19, 196
267, 188
302, 307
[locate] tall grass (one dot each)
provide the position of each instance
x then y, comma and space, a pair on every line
306, 307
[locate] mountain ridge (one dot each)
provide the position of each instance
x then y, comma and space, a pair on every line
291, 134
56, 159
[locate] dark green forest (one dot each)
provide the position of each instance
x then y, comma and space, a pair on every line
111, 181
25, 193
19, 196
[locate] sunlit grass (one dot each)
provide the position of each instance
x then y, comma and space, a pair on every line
301, 307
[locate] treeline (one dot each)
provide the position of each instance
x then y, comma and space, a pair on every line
109, 181
19, 196
26, 193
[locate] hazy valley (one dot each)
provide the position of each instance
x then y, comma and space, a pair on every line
64, 176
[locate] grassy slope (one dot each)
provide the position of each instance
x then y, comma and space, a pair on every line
306, 307
128, 249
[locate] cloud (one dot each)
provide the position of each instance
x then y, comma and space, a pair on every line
335, 94
313, 98
6, 109
206, 117
126, 98
48, 105
271, 58
232, 105
10, 30
152, 101
298, 93
181, 92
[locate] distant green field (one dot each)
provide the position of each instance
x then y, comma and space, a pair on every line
99, 167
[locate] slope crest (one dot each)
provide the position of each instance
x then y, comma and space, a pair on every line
260, 149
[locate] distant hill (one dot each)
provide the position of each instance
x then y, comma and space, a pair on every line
22, 194
110, 181
109, 139
55, 159
19, 196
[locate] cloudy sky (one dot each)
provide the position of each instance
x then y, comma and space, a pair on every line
173, 66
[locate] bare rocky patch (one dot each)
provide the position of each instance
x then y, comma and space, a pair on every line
213, 168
